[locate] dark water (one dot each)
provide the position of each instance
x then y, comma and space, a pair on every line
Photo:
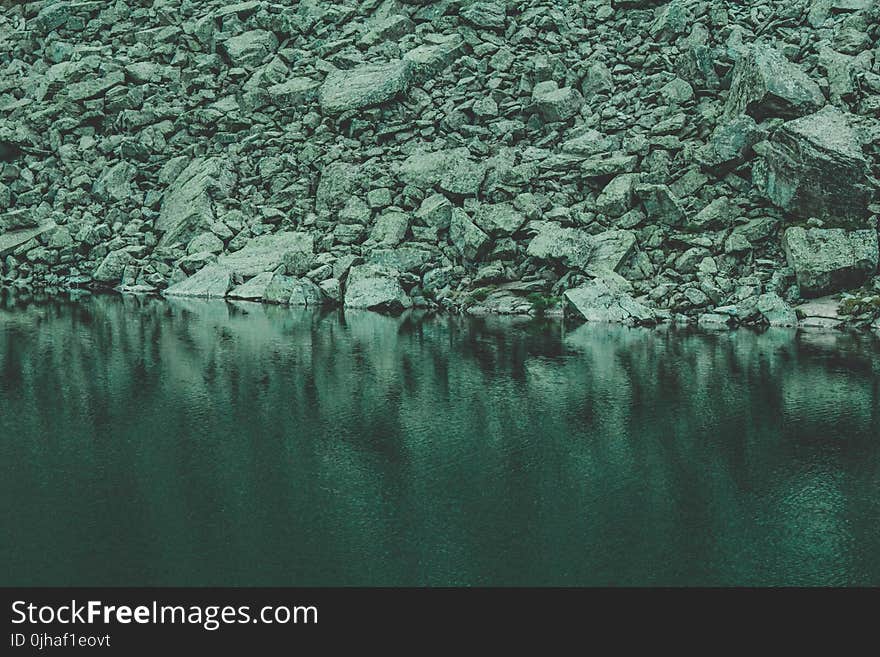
176, 443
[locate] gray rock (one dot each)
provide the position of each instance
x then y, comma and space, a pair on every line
249, 48
390, 228
608, 298
362, 87
830, 259
555, 104
730, 145
775, 311
497, 219
254, 289
375, 288
213, 281
485, 14
428, 60
766, 84
268, 252
661, 204
467, 237
618, 196
436, 211
814, 167
188, 204
112, 268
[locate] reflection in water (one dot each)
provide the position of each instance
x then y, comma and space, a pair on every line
177, 442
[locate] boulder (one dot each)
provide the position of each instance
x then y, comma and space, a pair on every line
112, 267
607, 298
188, 204
497, 219
661, 204
576, 248
554, 103
213, 281
766, 84
268, 252
249, 48
468, 238
814, 167
365, 86
830, 259
376, 288
775, 311
730, 144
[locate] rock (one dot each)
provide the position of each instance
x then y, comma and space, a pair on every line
12, 240
268, 252
436, 211
660, 204
294, 93
112, 268
497, 219
607, 298
362, 87
213, 281
94, 87
490, 15
205, 243
306, 293
428, 60
555, 104
718, 214
390, 228
578, 249
250, 48
467, 237
765, 84
17, 219
188, 204
830, 259
814, 167
114, 183
775, 311
375, 288
730, 145
618, 195
254, 289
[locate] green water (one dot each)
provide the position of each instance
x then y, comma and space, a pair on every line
145, 442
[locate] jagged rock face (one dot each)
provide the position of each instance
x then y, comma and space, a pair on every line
832, 259
483, 156
814, 167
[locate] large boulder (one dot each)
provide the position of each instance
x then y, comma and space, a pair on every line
376, 288
365, 86
213, 281
607, 298
814, 167
249, 48
468, 238
576, 248
766, 84
17, 219
830, 259
112, 267
268, 252
188, 204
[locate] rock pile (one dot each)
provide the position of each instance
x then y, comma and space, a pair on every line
634, 161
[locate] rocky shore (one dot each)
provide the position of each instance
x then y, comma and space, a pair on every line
615, 160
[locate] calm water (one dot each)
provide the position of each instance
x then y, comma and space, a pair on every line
175, 443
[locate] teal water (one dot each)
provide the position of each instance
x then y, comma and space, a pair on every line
145, 442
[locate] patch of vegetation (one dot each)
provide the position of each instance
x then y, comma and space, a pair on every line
541, 303
858, 305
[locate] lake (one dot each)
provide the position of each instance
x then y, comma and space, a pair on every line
152, 442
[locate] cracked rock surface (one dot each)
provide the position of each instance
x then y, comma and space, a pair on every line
632, 161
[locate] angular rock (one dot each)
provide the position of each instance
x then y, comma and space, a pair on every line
375, 288
730, 145
249, 48
814, 167
365, 86
268, 252
608, 298
661, 204
766, 84
188, 204
555, 104
830, 259
775, 311
112, 268
213, 281
467, 237
496, 219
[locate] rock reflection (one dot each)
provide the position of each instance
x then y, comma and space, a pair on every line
190, 442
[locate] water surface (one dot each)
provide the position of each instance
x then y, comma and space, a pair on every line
150, 442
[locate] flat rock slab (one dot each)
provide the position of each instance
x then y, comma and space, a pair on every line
364, 86
213, 281
267, 252
10, 241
